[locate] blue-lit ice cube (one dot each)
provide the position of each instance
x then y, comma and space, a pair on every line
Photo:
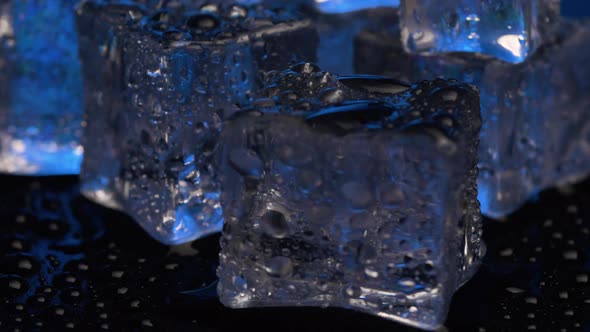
355, 192
338, 21
40, 88
536, 130
337, 33
505, 29
329, 6
158, 84
348, 6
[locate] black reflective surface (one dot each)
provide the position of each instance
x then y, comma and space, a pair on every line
69, 264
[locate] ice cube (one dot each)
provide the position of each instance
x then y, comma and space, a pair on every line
337, 22
329, 6
535, 131
159, 85
353, 191
347, 6
505, 29
40, 88
337, 32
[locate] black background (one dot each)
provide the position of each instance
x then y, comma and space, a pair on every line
67, 263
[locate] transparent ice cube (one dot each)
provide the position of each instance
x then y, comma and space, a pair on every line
338, 21
158, 86
535, 131
40, 88
337, 32
505, 29
353, 191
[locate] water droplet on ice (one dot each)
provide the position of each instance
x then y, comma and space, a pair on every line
407, 283
279, 266
352, 291
275, 224
238, 11
371, 272
332, 96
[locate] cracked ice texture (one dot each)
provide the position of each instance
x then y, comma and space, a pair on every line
353, 191
40, 88
535, 131
506, 29
158, 86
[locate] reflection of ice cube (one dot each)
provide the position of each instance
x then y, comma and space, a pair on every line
535, 124
355, 192
158, 86
40, 88
506, 29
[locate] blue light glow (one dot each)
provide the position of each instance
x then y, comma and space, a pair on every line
347, 6
42, 113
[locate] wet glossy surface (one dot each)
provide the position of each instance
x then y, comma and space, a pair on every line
67, 263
